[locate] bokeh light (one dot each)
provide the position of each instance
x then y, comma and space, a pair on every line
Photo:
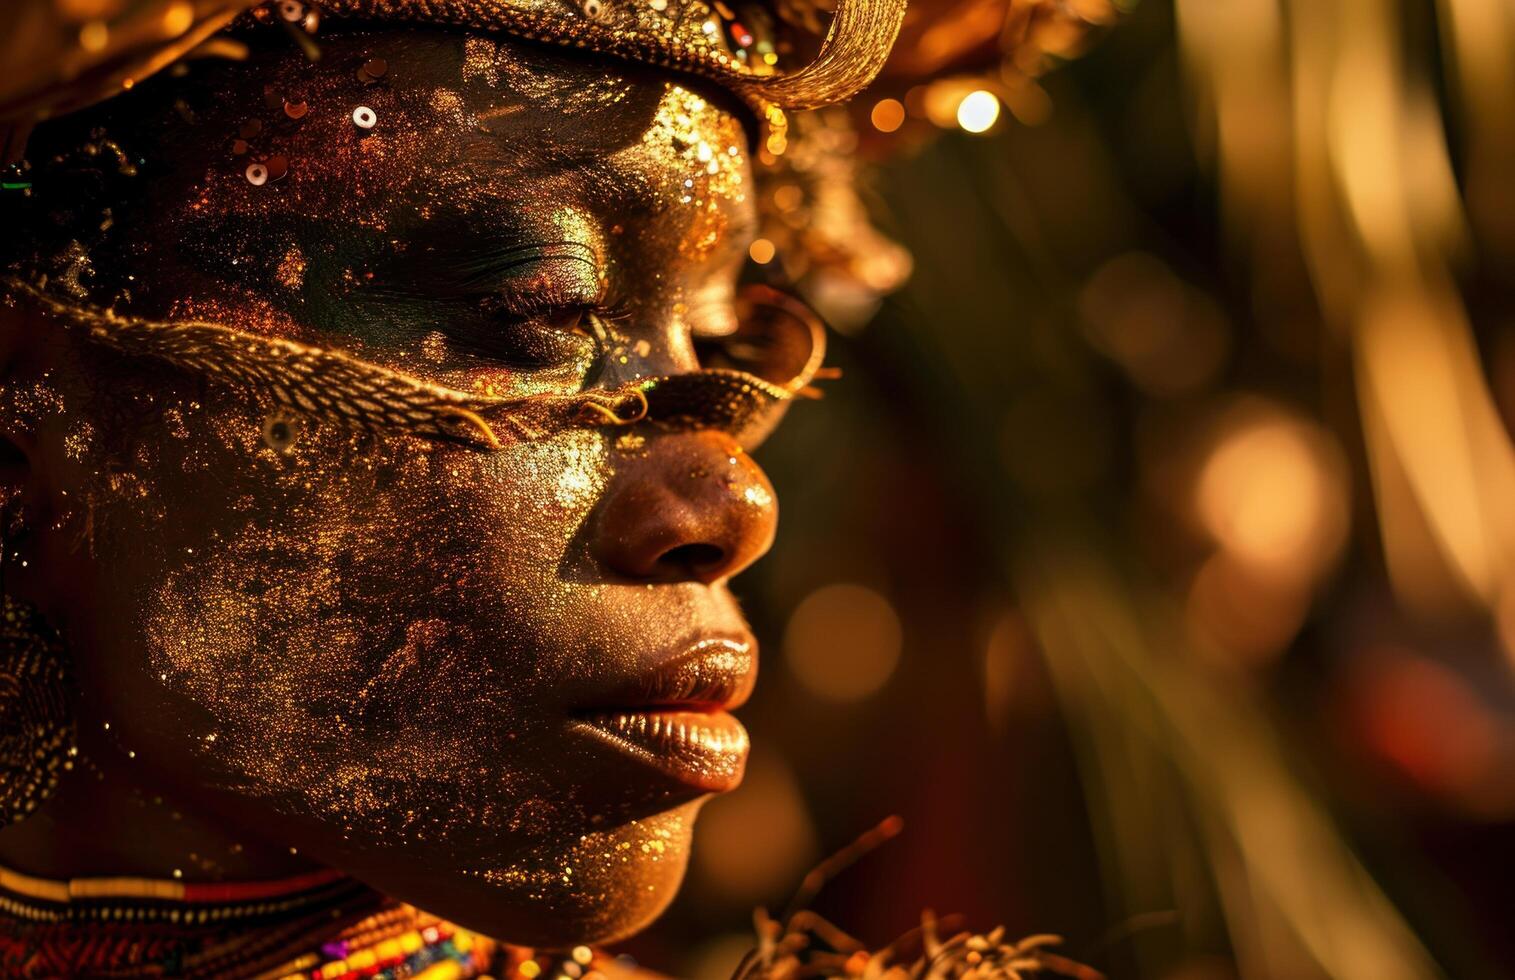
762, 251
978, 111
1271, 494
888, 115
843, 642
938, 101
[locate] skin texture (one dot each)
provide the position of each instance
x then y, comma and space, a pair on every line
367, 651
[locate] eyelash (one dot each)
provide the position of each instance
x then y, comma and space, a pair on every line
549, 313
617, 312
546, 298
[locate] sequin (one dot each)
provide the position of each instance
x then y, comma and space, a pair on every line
257, 174
281, 430
364, 118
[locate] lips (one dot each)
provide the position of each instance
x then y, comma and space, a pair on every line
674, 718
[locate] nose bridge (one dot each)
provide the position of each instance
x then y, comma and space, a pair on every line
647, 348
687, 506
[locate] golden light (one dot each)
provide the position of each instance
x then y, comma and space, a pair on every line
888, 115
843, 642
978, 111
938, 101
178, 18
94, 36
1272, 495
762, 251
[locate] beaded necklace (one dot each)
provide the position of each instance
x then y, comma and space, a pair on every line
323, 926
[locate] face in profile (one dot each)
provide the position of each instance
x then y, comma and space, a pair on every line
493, 684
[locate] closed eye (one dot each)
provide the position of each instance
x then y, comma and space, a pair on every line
543, 333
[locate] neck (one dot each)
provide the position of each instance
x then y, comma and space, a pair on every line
102, 821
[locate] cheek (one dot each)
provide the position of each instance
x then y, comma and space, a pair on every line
341, 629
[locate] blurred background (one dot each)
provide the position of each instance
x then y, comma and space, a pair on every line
1152, 557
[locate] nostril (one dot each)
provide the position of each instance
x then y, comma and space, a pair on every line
690, 507
692, 558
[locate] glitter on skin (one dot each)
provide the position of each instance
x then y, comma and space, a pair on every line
370, 643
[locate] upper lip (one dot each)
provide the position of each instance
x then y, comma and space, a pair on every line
711, 674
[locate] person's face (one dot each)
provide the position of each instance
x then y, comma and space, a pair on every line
486, 682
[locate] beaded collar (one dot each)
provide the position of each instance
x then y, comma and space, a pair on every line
322, 925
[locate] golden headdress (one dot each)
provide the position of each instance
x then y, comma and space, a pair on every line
63, 54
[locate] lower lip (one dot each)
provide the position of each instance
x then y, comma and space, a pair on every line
706, 751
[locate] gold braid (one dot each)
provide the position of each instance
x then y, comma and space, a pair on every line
332, 386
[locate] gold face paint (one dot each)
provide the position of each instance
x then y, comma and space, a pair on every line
330, 386
388, 652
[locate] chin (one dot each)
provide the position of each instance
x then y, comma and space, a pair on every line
597, 888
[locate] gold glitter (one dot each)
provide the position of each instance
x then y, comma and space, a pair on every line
712, 182
291, 271
434, 346
479, 61
76, 444
375, 644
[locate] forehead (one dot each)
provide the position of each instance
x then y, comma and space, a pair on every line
473, 127
478, 146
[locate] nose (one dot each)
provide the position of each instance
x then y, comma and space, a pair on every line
687, 506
